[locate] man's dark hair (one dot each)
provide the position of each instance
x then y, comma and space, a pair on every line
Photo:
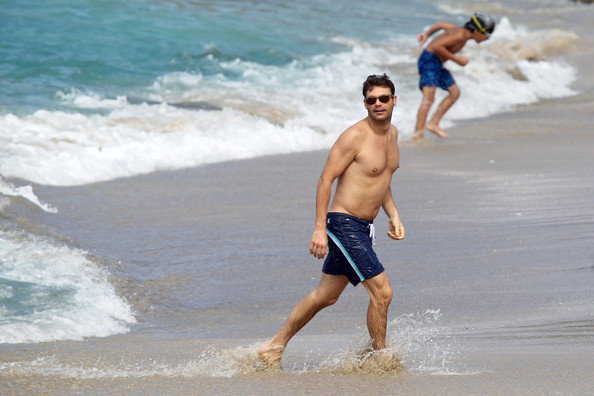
486, 23
378, 81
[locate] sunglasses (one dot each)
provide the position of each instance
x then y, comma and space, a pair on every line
372, 99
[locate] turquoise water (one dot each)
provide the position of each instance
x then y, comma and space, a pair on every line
98, 90
117, 48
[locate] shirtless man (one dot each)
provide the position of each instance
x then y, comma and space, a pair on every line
363, 159
444, 47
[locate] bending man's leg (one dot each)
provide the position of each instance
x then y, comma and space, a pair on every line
426, 103
444, 106
324, 295
380, 296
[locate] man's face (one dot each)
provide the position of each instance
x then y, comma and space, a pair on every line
480, 37
379, 109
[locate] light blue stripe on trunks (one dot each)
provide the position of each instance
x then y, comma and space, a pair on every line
346, 255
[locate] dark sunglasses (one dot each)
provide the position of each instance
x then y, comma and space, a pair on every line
384, 99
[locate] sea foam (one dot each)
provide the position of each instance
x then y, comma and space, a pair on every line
186, 118
50, 293
26, 192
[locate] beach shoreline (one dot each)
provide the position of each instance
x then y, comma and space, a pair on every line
544, 142
499, 223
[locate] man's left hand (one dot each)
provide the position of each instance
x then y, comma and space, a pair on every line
396, 229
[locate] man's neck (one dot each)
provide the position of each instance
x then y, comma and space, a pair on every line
379, 127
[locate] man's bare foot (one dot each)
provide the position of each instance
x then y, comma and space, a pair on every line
271, 355
436, 130
382, 361
417, 136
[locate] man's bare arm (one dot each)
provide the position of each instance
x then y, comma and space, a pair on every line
442, 46
422, 37
341, 156
319, 239
396, 227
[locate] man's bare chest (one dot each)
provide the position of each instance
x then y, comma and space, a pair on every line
377, 160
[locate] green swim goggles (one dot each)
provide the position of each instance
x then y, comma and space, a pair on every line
480, 27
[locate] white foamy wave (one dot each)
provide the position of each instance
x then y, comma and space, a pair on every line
59, 148
189, 119
54, 293
90, 100
514, 67
8, 189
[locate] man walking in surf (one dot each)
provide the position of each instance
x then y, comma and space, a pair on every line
363, 159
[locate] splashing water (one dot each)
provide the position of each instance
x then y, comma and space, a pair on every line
425, 346
416, 344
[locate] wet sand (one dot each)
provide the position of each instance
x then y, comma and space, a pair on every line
543, 370
523, 177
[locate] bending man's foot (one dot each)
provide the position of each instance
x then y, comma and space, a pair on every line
436, 130
271, 355
417, 136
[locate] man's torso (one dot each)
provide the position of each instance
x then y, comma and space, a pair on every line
453, 40
362, 187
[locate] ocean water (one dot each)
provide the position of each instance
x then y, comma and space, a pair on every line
97, 91
111, 91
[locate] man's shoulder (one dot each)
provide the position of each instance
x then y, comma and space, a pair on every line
357, 131
394, 131
360, 125
460, 32
454, 31
447, 25
452, 36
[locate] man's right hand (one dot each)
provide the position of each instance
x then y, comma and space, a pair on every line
422, 37
319, 244
462, 60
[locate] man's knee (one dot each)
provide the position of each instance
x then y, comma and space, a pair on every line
454, 92
386, 294
381, 292
426, 104
331, 300
324, 299
428, 95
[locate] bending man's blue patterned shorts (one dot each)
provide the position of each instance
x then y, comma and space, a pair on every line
432, 72
350, 248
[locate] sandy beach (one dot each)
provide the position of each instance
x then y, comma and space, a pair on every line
513, 193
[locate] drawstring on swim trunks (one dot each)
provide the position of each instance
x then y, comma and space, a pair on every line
372, 233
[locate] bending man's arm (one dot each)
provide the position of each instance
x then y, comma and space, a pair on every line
422, 37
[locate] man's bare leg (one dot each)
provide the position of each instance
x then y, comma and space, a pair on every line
432, 127
380, 296
444, 106
324, 295
426, 103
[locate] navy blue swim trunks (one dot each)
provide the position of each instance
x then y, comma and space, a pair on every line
350, 248
432, 72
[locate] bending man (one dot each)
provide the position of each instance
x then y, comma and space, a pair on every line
445, 47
